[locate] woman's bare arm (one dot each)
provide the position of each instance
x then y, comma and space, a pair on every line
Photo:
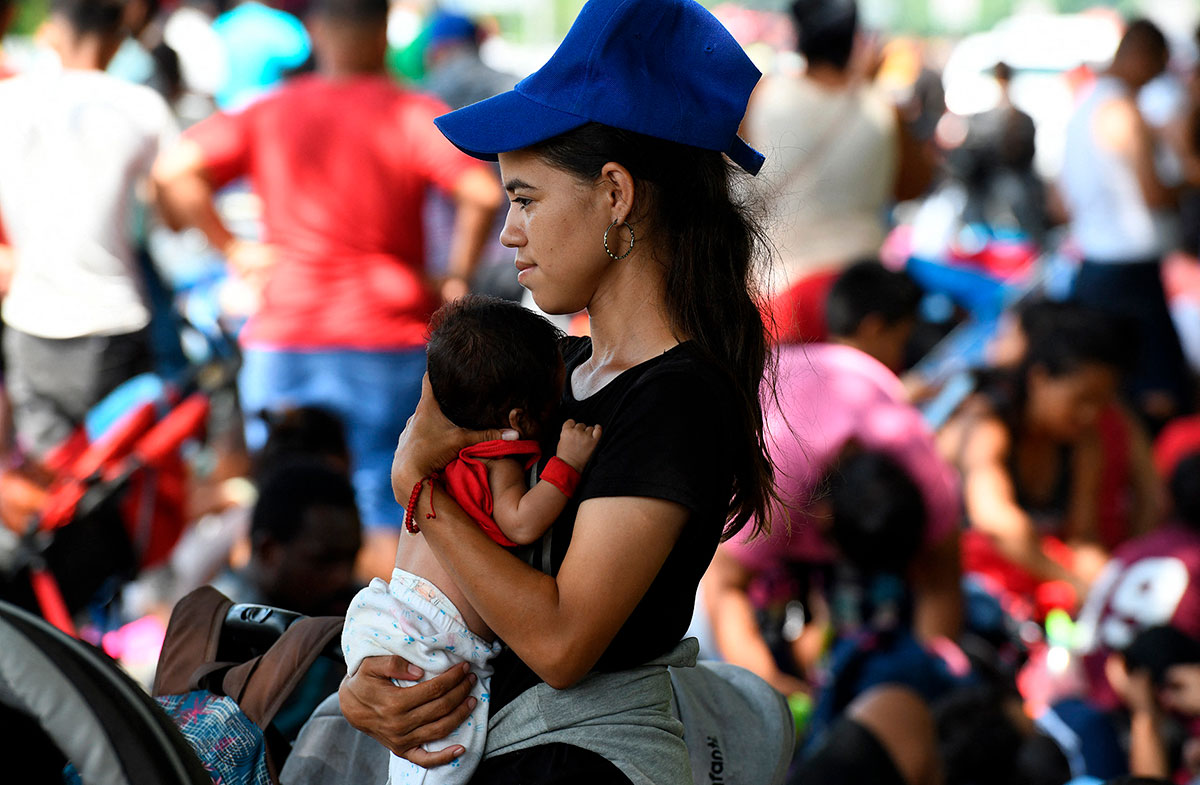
1082, 525
559, 625
991, 500
936, 576
735, 630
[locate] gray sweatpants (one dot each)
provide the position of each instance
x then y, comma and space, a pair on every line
53, 382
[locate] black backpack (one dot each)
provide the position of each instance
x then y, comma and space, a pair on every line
227, 675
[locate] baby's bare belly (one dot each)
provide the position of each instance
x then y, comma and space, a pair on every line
415, 556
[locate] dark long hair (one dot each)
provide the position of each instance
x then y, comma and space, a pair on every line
713, 243
1062, 337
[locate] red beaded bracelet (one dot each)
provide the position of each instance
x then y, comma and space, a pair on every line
561, 475
410, 513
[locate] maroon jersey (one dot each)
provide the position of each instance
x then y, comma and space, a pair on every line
1150, 581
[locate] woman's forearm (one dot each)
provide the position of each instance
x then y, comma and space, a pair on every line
519, 603
559, 626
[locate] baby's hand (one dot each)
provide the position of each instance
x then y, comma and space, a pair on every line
577, 442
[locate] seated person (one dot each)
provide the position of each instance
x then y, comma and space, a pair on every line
876, 516
984, 736
1157, 676
492, 364
305, 535
1152, 580
1029, 451
830, 395
1131, 490
886, 736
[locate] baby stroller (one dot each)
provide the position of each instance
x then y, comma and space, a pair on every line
108, 502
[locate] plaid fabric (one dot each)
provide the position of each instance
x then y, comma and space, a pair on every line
230, 746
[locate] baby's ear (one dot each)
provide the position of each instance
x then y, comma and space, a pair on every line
516, 421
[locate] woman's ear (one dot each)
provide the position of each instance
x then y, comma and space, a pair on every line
619, 189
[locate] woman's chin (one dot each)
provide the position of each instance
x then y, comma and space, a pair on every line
553, 307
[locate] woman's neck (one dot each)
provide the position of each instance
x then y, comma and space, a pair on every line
629, 324
829, 77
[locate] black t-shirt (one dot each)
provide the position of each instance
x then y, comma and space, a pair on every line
667, 434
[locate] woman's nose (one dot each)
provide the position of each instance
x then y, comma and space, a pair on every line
510, 236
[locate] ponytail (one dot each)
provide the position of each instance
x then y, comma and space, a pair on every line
714, 243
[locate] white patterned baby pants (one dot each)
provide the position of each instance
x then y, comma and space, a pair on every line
413, 619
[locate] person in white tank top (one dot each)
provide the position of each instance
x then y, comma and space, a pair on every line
1111, 190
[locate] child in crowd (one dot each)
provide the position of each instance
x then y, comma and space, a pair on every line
492, 364
877, 519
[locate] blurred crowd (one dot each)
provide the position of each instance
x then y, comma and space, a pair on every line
984, 560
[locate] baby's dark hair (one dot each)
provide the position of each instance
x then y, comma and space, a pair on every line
488, 356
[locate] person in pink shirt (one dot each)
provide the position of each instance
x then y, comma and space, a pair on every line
833, 396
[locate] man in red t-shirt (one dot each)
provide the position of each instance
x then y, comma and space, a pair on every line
341, 161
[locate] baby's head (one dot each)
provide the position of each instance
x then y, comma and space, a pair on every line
494, 364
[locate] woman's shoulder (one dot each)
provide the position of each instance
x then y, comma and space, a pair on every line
680, 384
976, 432
687, 367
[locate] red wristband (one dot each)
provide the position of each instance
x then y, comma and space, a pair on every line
561, 475
411, 512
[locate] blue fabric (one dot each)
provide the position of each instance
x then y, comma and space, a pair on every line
664, 68
261, 45
230, 746
867, 660
1087, 736
141, 389
165, 323
981, 294
373, 393
446, 26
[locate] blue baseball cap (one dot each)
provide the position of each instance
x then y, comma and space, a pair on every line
446, 26
663, 68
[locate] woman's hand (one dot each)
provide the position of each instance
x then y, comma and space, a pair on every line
430, 441
404, 718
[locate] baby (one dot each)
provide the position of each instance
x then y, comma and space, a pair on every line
491, 364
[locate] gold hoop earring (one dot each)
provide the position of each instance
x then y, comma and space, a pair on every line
628, 250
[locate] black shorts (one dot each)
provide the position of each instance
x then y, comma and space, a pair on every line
549, 764
847, 753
